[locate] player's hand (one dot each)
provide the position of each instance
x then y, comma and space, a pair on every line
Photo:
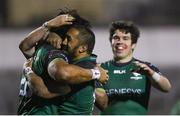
54, 40
60, 20
28, 63
143, 68
103, 75
27, 67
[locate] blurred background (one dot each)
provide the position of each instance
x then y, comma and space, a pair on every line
159, 22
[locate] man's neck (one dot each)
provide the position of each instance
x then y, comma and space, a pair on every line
80, 56
123, 60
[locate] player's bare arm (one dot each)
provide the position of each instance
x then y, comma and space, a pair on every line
35, 40
158, 80
101, 98
70, 76
38, 86
60, 70
27, 45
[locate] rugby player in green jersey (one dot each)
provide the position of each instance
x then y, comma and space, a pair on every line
130, 79
52, 65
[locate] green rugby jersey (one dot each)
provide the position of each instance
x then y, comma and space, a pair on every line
30, 103
128, 91
81, 99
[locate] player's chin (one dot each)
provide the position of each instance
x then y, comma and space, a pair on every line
119, 55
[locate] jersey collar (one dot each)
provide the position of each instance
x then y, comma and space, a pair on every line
122, 64
92, 57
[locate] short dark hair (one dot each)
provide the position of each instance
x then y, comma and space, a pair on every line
86, 37
61, 31
79, 20
128, 26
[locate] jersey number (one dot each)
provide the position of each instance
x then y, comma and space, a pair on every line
24, 90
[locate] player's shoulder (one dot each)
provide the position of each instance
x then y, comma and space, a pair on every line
55, 53
107, 63
145, 62
152, 66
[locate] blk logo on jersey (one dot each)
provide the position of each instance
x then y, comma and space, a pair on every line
119, 71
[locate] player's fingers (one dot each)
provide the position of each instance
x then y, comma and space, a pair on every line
104, 83
146, 69
142, 65
97, 68
106, 70
55, 43
28, 63
49, 40
139, 64
107, 77
68, 23
29, 60
69, 17
58, 44
98, 64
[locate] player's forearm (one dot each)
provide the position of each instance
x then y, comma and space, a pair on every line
78, 75
44, 93
59, 70
101, 99
73, 74
27, 45
39, 88
163, 84
160, 82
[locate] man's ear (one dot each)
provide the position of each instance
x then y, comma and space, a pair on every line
133, 46
83, 48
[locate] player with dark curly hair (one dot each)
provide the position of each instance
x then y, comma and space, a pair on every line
130, 79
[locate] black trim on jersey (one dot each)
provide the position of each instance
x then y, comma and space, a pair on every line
53, 54
121, 64
150, 65
87, 64
133, 59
